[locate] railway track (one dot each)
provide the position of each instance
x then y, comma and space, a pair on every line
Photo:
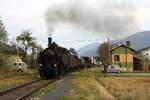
23, 91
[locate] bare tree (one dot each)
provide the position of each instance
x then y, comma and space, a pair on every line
35, 47
3, 32
25, 38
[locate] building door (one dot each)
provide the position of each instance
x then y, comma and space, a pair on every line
137, 64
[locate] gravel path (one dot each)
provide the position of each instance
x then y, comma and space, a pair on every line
62, 88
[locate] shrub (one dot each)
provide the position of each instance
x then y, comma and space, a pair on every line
2, 62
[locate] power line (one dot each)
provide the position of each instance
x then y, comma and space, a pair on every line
70, 41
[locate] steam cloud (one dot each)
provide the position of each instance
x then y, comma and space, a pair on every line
114, 17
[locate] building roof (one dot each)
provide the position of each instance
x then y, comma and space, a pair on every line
120, 46
143, 49
137, 58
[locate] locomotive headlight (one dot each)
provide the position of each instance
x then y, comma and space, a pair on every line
55, 65
41, 64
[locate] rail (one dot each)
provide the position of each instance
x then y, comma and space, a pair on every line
25, 90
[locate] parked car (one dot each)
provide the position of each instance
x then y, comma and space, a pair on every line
113, 69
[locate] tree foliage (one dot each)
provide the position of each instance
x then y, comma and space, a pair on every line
146, 61
29, 43
73, 51
25, 38
3, 32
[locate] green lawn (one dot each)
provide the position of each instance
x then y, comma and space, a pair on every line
85, 86
124, 86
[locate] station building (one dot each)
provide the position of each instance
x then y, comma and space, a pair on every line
125, 56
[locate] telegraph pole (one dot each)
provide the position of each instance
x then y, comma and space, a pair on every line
17, 51
108, 51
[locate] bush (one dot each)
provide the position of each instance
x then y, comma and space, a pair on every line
2, 62
33, 64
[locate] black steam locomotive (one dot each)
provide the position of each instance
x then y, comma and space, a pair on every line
55, 61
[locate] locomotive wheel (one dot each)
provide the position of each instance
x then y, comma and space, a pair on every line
42, 75
56, 74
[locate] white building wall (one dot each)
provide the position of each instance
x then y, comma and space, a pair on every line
146, 53
10, 59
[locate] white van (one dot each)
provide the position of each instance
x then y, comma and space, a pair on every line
21, 66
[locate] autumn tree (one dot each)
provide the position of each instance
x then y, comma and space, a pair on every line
104, 53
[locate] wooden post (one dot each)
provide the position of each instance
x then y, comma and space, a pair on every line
126, 57
17, 51
108, 51
85, 68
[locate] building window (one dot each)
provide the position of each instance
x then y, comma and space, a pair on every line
146, 54
15, 64
116, 58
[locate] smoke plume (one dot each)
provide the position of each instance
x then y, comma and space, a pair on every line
112, 17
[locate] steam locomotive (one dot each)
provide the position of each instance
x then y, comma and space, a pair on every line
56, 60
86, 61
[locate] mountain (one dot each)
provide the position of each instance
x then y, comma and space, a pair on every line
89, 50
138, 41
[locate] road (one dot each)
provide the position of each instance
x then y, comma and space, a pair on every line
144, 74
63, 87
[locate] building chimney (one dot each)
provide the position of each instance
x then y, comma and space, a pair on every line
128, 43
49, 41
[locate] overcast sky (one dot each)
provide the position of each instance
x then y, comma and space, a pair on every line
18, 15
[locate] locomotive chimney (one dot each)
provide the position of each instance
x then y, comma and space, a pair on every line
49, 41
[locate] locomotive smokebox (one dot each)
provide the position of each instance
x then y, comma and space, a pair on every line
49, 41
